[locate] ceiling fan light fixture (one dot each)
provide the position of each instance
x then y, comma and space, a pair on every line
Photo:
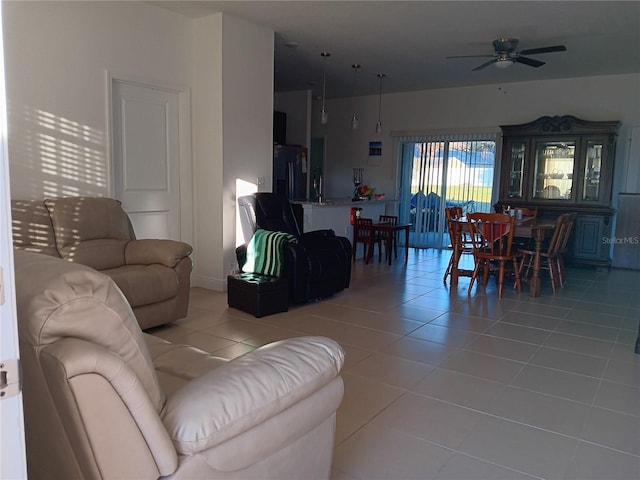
503, 63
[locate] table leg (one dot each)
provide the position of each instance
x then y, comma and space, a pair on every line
406, 245
534, 288
389, 241
457, 251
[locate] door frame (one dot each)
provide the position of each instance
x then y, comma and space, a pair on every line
184, 139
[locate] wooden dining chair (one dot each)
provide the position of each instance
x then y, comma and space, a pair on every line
491, 239
363, 233
564, 245
464, 241
392, 220
549, 259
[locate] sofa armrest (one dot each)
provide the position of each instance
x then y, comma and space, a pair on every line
248, 390
150, 251
77, 370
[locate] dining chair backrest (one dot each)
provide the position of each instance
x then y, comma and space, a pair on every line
558, 235
390, 219
452, 213
571, 217
491, 233
362, 229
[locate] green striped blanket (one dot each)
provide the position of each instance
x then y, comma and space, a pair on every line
265, 252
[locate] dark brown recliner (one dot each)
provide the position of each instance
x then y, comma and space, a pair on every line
318, 266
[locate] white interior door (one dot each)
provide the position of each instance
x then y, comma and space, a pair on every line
12, 444
146, 157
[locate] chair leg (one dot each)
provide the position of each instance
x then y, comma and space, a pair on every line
500, 278
517, 270
367, 252
552, 274
561, 272
447, 272
529, 259
485, 274
474, 275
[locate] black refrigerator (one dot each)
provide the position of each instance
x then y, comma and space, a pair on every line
290, 171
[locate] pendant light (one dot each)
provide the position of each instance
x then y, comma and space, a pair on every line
379, 124
355, 123
323, 113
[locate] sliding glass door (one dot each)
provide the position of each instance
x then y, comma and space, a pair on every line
439, 173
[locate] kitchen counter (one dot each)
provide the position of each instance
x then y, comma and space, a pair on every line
336, 214
339, 202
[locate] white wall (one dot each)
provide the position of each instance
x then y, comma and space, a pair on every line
248, 120
57, 56
208, 151
233, 136
613, 97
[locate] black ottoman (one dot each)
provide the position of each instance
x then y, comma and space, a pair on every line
257, 294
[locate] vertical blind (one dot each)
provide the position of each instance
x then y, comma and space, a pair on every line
440, 170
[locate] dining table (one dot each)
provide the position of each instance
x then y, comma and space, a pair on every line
528, 227
389, 231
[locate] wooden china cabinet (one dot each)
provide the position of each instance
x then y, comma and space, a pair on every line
563, 164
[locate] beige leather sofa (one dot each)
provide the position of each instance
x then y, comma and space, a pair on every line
103, 400
154, 275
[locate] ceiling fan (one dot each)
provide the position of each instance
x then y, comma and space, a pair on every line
506, 54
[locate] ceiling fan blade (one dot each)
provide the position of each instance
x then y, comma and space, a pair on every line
535, 51
529, 61
486, 64
469, 56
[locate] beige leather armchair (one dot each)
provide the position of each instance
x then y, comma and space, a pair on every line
153, 274
105, 400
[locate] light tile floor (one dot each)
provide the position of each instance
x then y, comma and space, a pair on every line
442, 385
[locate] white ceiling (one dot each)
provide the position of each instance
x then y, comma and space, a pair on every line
409, 40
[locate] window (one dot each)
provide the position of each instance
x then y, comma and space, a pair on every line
442, 171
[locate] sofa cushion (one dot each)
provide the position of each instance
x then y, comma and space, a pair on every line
77, 220
101, 253
145, 284
31, 227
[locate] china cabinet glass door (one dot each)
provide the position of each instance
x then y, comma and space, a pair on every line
553, 173
516, 169
593, 164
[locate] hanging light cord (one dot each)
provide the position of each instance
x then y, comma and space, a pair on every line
380, 76
379, 124
323, 113
354, 119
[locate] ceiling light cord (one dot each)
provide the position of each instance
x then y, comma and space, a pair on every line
355, 123
379, 124
324, 117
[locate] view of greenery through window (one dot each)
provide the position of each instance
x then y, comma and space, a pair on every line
445, 174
